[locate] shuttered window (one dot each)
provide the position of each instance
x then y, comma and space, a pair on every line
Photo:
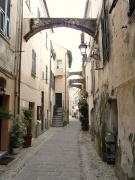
52, 80
46, 77
33, 71
105, 34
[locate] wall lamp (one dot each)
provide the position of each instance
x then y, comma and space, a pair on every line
2, 90
83, 48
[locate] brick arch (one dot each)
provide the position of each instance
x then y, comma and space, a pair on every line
35, 25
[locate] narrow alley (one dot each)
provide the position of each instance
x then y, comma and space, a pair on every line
65, 153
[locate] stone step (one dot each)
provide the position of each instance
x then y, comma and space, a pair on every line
57, 119
57, 122
57, 116
56, 125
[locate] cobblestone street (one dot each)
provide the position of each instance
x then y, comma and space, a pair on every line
65, 153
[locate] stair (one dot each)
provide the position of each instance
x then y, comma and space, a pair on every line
57, 120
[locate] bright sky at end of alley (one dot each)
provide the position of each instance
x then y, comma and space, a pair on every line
66, 37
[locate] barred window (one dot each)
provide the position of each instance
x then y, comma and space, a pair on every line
5, 18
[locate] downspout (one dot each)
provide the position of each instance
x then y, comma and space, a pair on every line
65, 81
20, 58
50, 84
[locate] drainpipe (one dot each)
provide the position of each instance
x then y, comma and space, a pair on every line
50, 85
65, 81
20, 57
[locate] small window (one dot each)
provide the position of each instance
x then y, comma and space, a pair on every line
59, 64
131, 7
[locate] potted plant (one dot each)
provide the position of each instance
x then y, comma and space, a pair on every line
4, 114
17, 133
83, 109
27, 120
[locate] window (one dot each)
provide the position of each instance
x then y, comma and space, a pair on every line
131, 7
33, 71
38, 13
46, 74
5, 18
105, 34
59, 64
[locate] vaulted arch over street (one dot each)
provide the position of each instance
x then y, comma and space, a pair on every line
35, 25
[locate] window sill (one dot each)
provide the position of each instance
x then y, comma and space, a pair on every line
7, 40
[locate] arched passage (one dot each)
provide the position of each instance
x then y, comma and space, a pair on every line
35, 25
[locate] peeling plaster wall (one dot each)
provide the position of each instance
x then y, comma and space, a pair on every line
126, 135
119, 76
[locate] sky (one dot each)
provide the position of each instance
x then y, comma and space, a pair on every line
67, 37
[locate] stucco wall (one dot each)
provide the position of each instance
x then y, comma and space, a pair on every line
117, 81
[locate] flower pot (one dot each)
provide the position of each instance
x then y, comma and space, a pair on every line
15, 150
27, 141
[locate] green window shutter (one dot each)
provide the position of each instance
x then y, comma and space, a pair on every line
33, 62
105, 35
46, 74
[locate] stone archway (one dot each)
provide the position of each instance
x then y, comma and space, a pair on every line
35, 25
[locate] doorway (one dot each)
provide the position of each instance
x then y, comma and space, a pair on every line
4, 124
58, 97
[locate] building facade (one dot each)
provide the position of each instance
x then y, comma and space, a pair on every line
28, 70
61, 67
35, 79
10, 25
110, 74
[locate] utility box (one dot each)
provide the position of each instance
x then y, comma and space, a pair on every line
110, 146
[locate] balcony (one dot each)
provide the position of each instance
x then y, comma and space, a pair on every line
58, 72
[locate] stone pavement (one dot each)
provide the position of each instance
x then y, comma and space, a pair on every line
65, 153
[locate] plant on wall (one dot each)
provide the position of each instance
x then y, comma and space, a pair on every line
17, 132
28, 122
4, 114
27, 119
